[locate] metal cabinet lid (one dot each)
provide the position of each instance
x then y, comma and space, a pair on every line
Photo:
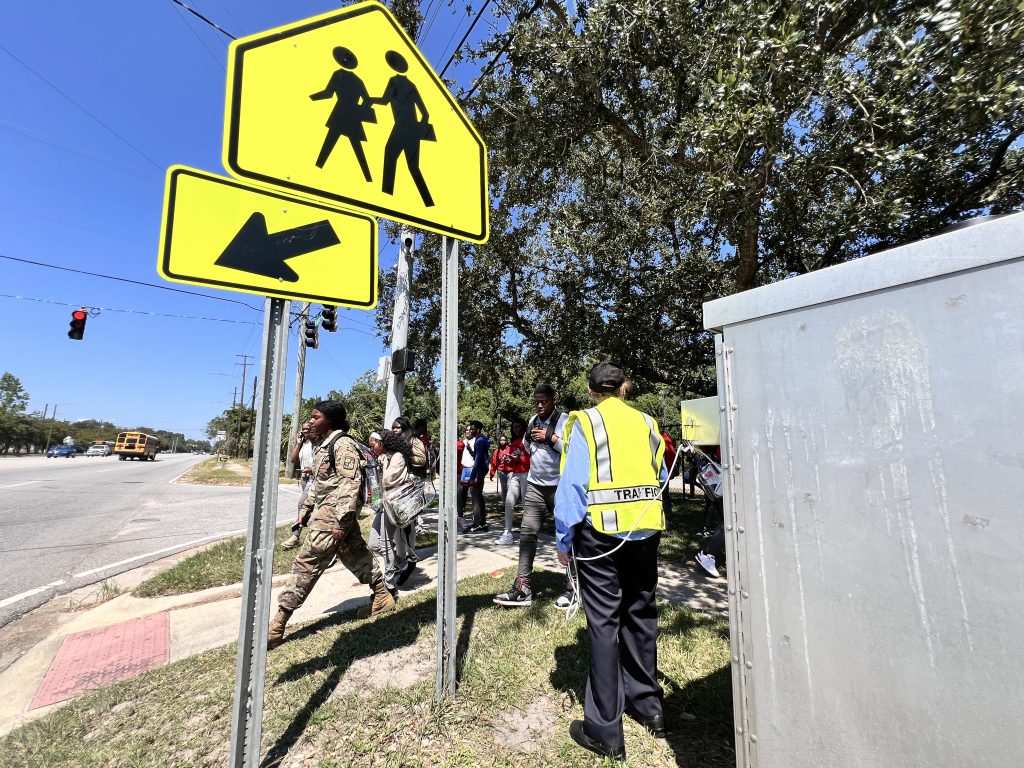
990, 242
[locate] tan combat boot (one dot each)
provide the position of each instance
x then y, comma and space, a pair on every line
276, 634
383, 601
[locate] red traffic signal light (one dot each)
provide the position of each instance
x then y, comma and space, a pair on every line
78, 318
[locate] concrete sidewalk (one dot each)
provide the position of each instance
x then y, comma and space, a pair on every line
78, 650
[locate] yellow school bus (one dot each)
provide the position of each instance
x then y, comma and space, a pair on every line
136, 445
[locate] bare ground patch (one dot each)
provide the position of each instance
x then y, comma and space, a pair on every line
398, 668
527, 729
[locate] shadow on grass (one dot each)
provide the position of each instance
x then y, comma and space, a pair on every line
698, 714
386, 633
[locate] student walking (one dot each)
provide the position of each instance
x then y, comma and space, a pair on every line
544, 441
333, 504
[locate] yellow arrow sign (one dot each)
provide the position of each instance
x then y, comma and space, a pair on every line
344, 107
221, 233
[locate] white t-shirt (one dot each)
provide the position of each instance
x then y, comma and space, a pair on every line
467, 457
306, 456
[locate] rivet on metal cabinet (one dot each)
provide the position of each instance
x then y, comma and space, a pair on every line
749, 665
732, 591
735, 659
739, 729
740, 529
745, 594
737, 467
734, 406
728, 527
753, 739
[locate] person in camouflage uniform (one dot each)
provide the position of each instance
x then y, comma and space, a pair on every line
333, 505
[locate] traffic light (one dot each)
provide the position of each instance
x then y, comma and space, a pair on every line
78, 318
312, 335
329, 318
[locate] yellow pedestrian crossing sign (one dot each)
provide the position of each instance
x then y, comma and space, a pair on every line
220, 233
344, 107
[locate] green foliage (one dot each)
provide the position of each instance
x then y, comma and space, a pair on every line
647, 157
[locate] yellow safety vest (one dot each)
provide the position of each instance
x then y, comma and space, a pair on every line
626, 453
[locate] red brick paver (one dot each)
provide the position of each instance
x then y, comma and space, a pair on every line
101, 657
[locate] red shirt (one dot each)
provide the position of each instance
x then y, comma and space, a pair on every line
512, 458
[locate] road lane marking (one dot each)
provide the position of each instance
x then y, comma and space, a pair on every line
184, 545
23, 595
20, 484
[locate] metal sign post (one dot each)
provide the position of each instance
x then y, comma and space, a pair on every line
446, 529
247, 710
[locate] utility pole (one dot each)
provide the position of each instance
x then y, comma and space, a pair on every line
300, 375
252, 423
234, 397
49, 434
241, 404
400, 327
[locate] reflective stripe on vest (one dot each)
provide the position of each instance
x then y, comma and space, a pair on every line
626, 452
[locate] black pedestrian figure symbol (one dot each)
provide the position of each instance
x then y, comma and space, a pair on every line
410, 129
354, 107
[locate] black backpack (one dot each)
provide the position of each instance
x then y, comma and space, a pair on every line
556, 414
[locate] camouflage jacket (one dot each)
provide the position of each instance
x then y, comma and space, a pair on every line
334, 495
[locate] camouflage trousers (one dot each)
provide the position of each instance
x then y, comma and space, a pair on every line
317, 554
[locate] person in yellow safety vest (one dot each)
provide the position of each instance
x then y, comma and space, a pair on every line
609, 519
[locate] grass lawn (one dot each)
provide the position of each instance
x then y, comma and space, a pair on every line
343, 692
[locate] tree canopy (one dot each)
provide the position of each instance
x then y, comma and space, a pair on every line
646, 157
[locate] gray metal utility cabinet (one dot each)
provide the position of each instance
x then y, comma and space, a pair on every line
873, 438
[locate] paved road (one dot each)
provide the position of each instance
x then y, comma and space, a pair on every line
66, 523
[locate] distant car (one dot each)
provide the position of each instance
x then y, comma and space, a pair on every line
99, 450
62, 451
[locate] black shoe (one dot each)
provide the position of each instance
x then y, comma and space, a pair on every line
482, 528
518, 595
579, 735
403, 577
655, 725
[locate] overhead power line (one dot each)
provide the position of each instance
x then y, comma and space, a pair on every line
86, 111
130, 311
465, 37
126, 280
213, 24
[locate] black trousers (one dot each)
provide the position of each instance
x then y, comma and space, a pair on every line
622, 624
475, 492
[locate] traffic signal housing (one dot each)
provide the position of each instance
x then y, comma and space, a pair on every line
329, 318
311, 335
402, 360
77, 327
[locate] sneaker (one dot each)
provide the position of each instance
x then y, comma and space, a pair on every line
291, 542
518, 595
406, 572
505, 538
482, 528
707, 562
565, 600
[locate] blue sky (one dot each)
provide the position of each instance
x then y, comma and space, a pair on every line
98, 100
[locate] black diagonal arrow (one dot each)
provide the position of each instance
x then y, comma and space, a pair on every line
256, 251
